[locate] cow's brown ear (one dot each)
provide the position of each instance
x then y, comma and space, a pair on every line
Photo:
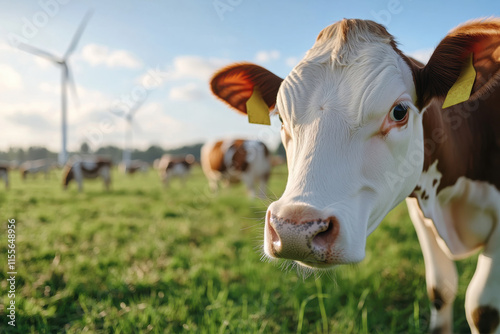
481, 38
234, 85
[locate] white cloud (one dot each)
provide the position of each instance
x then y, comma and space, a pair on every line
153, 78
43, 63
46, 87
266, 56
10, 78
32, 120
96, 55
422, 55
195, 67
188, 92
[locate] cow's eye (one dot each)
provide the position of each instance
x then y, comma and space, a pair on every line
281, 119
398, 113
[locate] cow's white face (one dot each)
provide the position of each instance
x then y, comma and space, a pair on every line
352, 132
354, 144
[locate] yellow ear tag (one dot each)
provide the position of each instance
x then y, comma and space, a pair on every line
461, 89
257, 109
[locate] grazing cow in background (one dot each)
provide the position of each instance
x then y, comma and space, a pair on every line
87, 168
35, 166
174, 167
232, 161
4, 174
134, 167
364, 126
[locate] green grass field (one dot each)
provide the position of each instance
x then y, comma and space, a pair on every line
142, 259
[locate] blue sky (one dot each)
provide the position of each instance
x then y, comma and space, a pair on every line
169, 49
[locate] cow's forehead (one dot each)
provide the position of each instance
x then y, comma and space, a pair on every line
359, 76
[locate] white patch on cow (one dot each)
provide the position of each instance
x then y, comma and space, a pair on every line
88, 165
256, 174
464, 214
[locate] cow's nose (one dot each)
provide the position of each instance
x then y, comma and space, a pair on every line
301, 234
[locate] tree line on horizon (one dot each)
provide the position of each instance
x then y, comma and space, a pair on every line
115, 153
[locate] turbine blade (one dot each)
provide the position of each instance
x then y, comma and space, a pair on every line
136, 107
38, 52
117, 112
78, 34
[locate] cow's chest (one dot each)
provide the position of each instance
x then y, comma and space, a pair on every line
463, 214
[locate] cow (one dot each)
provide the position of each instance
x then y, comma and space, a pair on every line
174, 167
87, 168
237, 160
134, 166
35, 166
4, 174
364, 128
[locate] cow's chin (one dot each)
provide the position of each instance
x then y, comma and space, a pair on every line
317, 265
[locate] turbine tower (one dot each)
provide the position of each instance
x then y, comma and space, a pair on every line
129, 117
66, 78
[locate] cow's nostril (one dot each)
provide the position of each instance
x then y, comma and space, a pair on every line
275, 239
325, 238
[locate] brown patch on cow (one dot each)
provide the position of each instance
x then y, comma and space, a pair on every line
266, 150
424, 194
436, 298
235, 84
24, 173
67, 175
132, 169
486, 319
239, 161
180, 161
216, 157
434, 182
99, 164
437, 330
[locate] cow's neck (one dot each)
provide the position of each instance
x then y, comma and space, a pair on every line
454, 144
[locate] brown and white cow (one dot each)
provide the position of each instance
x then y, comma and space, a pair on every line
170, 167
87, 168
364, 128
4, 174
237, 160
134, 166
32, 167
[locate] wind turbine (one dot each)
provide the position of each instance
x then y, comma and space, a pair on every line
66, 78
129, 118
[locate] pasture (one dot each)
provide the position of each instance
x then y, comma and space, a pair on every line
143, 259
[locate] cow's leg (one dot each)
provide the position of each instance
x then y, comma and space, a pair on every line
213, 183
5, 177
165, 179
482, 301
249, 181
440, 272
106, 175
